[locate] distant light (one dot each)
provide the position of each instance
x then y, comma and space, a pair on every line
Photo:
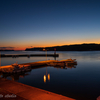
43, 49
55, 49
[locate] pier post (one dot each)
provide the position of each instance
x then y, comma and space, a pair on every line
46, 52
55, 51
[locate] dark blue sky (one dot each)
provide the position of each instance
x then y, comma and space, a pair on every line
26, 23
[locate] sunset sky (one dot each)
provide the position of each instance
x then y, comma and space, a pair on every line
41, 23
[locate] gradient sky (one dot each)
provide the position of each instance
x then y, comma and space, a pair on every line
35, 23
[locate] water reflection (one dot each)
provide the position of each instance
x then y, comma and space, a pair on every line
14, 77
46, 77
49, 77
67, 66
71, 66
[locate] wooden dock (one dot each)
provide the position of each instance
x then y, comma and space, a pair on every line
32, 64
10, 68
39, 63
16, 68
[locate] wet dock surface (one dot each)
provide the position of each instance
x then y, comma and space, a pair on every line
19, 91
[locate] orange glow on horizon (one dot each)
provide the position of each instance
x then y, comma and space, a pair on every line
20, 48
23, 48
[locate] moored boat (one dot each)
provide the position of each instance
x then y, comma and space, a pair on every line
70, 61
16, 68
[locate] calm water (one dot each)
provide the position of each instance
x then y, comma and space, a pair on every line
81, 82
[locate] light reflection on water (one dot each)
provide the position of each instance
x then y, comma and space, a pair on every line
80, 82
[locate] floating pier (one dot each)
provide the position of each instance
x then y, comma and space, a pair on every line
29, 55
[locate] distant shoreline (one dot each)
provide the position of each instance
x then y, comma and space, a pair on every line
77, 47
49, 50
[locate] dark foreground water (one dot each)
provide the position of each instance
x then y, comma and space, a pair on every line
81, 82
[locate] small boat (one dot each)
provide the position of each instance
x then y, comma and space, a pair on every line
17, 68
15, 65
70, 61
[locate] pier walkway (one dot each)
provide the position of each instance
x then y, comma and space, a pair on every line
11, 90
29, 55
32, 64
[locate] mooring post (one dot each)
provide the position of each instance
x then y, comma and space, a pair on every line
46, 52
55, 51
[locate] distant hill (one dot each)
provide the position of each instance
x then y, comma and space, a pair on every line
76, 47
